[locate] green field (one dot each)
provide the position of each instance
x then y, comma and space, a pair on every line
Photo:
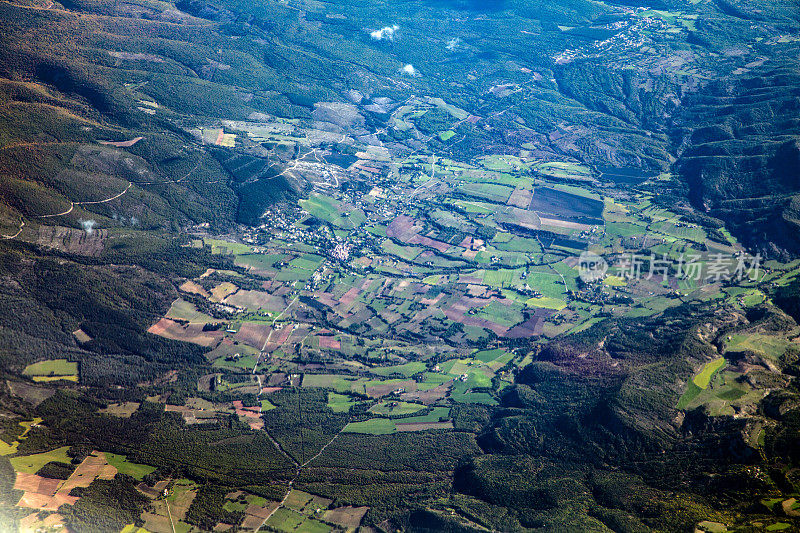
390, 408
434, 416
499, 313
547, 283
409, 253
246, 360
330, 210
704, 377
546, 303
239, 506
285, 520
135, 470
332, 381
487, 356
769, 345
183, 310
340, 403
260, 261
227, 248
564, 170
488, 191
307, 262
406, 370
52, 370
374, 426
30, 464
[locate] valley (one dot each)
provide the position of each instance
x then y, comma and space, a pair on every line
373, 266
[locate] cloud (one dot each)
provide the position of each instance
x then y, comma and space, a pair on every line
87, 225
385, 33
452, 44
409, 70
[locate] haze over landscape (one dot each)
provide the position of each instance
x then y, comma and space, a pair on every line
430, 265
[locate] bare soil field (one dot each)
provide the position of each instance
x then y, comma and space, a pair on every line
347, 517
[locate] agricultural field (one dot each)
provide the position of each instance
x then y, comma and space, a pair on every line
339, 302
52, 370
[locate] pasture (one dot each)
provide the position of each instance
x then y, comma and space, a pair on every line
703, 378
392, 408
30, 464
52, 370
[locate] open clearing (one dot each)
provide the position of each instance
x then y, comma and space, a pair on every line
52, 370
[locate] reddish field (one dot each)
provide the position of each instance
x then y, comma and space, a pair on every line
256, 300
255, 515
249, 412
253, 334
403, 228
33, 483
347, 517
329, 343
427, 397
431, 243
376, 391
458, 313
520, 198
40, 492
193, 288
349, 297
192, 333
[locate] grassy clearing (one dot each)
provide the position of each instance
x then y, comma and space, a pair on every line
488, 191
408, 253
487, 356
546, 303
260, 261
615, 281
227, 248
461, 396
769, 345
240, 506
135, 470
704, 377
374, 426
564, 170
339, 403
436, 414
52, 370
9, 448
406, 370
183, 310
330, 210
390, 408
330, 381
691, 392
30, 464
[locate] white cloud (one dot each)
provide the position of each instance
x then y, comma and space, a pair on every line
385, 33
409, 70
452, 44
87, 225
